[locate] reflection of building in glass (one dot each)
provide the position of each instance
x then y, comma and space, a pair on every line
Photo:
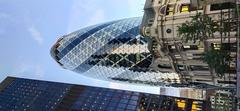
110, 51
33, 95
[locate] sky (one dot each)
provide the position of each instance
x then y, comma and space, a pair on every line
28, 29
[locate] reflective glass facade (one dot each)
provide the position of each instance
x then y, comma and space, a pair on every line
110, 51
31, 95
18, 94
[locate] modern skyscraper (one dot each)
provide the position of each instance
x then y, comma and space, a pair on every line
17, 94
111, 51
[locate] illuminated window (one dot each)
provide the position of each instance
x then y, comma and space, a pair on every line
170, 10
195, 105
181, 104
184, 8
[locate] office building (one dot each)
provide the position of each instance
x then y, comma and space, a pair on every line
18, 94
113, 51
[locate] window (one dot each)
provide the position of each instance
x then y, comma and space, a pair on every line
184, 8
166, 66
222, 6
132, 107
181, 67
199, 68
162, 10
122, 105
170, 10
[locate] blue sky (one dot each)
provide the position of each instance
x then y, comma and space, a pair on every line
28, 28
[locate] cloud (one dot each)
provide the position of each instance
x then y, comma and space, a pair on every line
36, 35
84, 13
97, 17
7, 18
35, 70
135, 7
39, 71
4, 16
2, 31
88, 12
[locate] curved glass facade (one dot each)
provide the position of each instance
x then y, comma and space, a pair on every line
110, 51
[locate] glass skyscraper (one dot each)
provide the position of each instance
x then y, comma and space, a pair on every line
18, 94
113, 51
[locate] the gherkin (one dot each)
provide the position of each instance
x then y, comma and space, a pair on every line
113, 51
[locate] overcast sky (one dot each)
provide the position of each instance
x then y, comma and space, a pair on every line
28, 28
